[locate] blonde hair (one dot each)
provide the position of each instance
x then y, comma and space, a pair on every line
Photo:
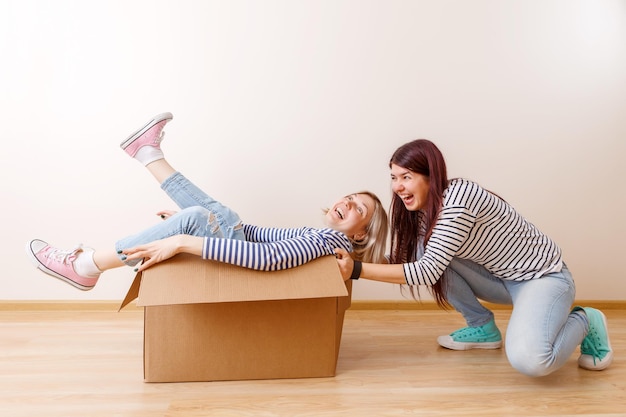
372, 247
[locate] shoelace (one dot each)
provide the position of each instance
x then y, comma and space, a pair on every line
591, 346
468, 332
475, 334
64, 256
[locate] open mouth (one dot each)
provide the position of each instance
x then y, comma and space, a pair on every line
339, 213
407, 199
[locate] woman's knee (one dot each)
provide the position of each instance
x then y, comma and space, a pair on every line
528, 360
198, 218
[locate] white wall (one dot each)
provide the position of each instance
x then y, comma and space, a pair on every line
283, 106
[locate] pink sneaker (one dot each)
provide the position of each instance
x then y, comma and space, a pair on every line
59, 263
148, 135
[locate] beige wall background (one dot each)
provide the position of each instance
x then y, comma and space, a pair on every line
281, 107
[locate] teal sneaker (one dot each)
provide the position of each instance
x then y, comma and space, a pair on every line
486, 336
595, 350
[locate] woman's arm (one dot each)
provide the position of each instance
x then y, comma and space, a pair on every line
391, 273
270, 234
160, 250
308, 244
278, 254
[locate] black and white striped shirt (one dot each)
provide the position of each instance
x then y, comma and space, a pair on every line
475, 224
272, 249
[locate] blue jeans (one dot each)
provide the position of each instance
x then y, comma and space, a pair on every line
200, 215
542, 332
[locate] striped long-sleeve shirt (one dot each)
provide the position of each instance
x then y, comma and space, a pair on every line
475, 224
272, 249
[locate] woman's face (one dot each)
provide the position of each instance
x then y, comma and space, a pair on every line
410, 186
351, 215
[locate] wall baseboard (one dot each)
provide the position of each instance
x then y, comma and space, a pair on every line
64, 305
431, 305
106, 305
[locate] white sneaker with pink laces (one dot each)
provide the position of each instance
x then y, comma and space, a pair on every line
60, 263
148, 135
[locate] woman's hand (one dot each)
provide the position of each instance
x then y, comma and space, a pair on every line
345, 262
154, 252
165, 214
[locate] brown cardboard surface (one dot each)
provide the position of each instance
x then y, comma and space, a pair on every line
206, 321
189, 280
132, 293
233, 341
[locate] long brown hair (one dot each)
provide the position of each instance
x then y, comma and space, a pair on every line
409, 227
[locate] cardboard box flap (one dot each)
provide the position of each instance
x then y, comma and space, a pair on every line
133, 292
188, 279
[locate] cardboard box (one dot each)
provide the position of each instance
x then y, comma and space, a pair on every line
206, 320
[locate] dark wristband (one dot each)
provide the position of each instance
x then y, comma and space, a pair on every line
356, 270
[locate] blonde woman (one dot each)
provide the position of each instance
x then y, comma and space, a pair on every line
356, 223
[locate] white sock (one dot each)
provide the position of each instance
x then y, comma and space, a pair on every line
149, 154
84, 264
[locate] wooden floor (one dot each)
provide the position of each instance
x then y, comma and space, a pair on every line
89, 364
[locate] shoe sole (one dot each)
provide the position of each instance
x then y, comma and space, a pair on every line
452, 345
35, 261
156, 119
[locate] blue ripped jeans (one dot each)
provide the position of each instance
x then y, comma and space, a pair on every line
200, 215
542, 333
